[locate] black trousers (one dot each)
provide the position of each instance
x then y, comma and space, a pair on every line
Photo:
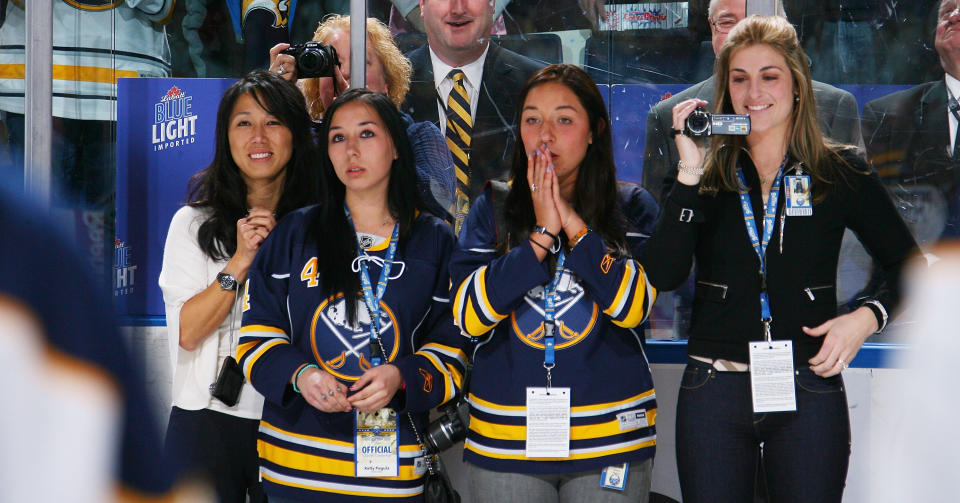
219, 448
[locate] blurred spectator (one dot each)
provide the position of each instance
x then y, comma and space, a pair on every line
77, 425
912, 142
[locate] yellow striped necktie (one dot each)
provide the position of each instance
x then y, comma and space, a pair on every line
459, 127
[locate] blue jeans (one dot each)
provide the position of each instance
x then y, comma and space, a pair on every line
721, 442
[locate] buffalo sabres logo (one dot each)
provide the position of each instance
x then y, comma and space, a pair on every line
575, 314
351, 357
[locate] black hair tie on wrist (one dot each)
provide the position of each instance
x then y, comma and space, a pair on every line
534, 241
675, 132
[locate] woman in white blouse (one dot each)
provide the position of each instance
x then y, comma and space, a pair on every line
260, 172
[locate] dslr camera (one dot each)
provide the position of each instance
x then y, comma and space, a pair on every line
448, 429
703, 123
314, 59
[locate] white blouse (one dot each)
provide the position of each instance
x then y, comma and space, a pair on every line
186, 272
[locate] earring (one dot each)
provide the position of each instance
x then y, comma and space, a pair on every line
796, 98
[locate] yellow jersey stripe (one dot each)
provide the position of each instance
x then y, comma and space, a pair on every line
618, 300
332, 487
582, 432
257, 353
481, 290
262, 328
575, 454
447, 381
578, 411
319, 464
450, 351
243, 348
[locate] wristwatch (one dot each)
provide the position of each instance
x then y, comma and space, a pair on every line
227, 281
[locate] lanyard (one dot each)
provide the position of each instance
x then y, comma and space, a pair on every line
549, 310
373, 303
760, 243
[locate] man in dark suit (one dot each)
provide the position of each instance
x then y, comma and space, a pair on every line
837, 109
910, 137
458, 39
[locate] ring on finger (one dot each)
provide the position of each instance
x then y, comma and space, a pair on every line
280, 70
323, 397
330, 392
533, 187
842, 363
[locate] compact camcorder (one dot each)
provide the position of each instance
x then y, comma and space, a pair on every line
703, 123
314, 59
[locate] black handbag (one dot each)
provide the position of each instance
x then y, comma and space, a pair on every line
230, 379
229, 383
437, 487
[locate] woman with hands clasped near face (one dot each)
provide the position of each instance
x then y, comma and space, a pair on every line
763, 216
347, 329
260, 171
551, 286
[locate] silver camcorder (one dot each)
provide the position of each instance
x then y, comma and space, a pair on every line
703, 123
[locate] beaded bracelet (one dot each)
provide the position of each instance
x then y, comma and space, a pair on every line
301, 371
683, 168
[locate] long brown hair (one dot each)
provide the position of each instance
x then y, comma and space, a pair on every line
596, 187
806, 142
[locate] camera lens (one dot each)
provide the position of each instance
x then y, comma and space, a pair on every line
449, 428
698, 121
314, 61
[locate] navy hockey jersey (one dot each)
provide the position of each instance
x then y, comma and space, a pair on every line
600, 302
288, 321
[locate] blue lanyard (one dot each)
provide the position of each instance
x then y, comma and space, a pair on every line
373, 303
549, 310
760, 244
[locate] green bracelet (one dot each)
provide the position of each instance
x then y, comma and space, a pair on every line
302, 369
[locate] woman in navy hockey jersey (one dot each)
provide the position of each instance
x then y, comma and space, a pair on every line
347, 329
562, 400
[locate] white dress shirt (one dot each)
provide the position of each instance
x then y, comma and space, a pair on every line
953, 86
444, 84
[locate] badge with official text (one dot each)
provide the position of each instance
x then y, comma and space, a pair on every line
798, 196
376, 446
771, 376
615, 477
548, 423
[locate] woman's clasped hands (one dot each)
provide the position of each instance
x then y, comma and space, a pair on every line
372, 391
552, 211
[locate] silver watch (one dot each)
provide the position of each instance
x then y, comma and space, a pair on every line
227, 281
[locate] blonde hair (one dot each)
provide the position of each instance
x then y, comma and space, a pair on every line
805, 140
396, 67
